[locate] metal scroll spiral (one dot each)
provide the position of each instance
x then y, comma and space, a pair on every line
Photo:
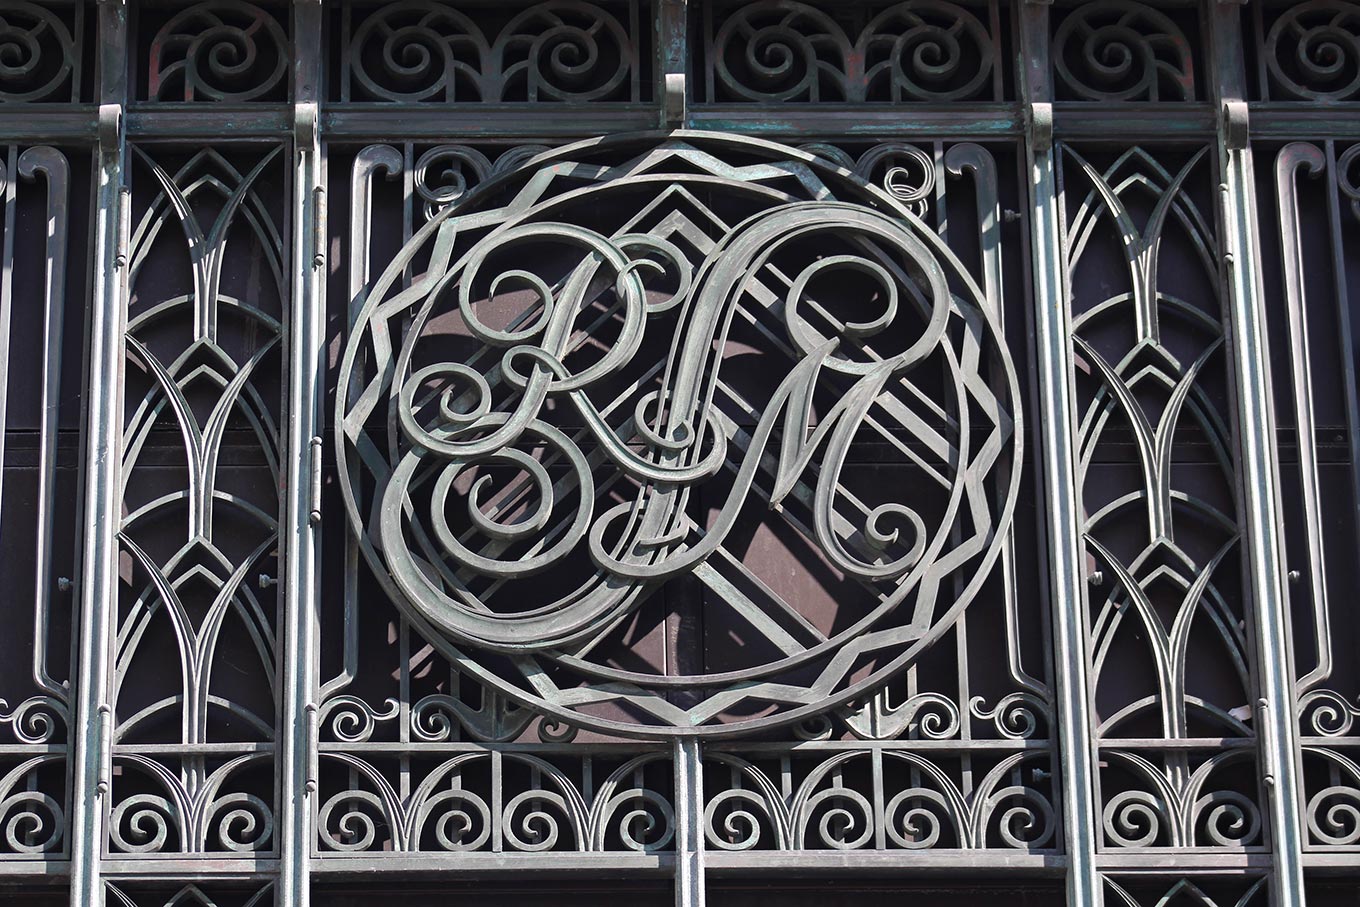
32, 821
1122, 50
560, 50
37, 53
219, 50
521, 497
538, 808
831, 807
921, 50
1313, 51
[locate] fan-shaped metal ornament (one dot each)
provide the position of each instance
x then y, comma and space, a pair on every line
678, 434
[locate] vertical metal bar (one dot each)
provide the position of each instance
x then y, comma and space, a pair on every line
1294, 159
1259, 470
1345, 332
57, 174
689, 823
300, 528
1058, 421
672, 61
10, 187
99, 589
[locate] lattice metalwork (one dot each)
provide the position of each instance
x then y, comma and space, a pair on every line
673, 445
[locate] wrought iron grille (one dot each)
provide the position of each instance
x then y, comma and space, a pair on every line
679, 450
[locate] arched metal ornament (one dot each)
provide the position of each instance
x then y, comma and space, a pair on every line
629, 363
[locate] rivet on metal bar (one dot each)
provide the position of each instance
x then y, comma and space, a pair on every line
1096, 578
265, 581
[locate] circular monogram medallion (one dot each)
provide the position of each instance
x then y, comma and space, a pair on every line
681, 434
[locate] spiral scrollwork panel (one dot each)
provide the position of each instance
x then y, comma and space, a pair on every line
558, 420
41, 52
571, 51
470, 799
1124, 50
835, 797
1310, 51
799, 52
219, 50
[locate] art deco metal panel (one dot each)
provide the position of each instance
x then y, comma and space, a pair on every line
779, 789
679, 445
195, 688
1165, 603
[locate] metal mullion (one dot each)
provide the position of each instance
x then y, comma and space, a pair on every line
299, 530
1258, 470
7, 205
103, 443
1057, 417
690, 886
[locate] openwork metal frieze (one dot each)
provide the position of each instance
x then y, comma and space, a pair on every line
1122, 50
535, 418
195, 659
434, 50
790, 51
1164, 588
36, 484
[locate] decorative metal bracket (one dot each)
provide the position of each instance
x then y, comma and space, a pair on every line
1236, 125
1039, 125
